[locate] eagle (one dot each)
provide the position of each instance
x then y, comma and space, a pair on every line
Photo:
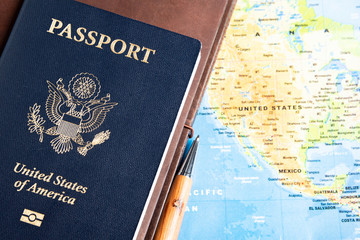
73, 116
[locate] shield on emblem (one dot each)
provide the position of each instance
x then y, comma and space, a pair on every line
69, 126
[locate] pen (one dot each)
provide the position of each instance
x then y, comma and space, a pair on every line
170, 222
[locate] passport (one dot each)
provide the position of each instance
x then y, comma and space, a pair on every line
89, 105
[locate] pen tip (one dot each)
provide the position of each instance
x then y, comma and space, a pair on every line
188, 163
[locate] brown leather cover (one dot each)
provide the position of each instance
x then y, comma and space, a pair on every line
205, 20
8, 13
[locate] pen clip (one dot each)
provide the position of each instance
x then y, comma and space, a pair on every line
191, 134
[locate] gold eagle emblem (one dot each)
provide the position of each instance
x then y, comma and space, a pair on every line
74, 111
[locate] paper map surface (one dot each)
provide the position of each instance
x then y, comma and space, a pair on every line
279, 126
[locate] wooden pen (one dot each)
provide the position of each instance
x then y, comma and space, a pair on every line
170, 222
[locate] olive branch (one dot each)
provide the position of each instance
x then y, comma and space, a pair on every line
35, 121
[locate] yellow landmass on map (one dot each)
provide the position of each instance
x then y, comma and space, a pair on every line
341, 34
283, 98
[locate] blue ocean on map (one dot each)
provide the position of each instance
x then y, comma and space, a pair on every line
345, 12
232, 199
324, 161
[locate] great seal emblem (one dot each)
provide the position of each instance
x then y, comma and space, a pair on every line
74, 111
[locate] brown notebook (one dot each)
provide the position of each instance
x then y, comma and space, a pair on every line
8, 13
205, 20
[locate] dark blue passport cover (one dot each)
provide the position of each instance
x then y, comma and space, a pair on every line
88, 103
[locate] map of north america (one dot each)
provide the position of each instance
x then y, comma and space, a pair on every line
279, 155
288, 82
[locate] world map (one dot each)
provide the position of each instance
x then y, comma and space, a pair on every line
279, 126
